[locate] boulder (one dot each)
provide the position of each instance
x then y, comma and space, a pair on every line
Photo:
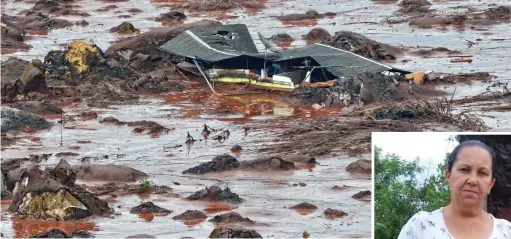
13, 37
38, 107
33, 79
125, 28
333, 213
14, 119
190, 215
230, 217
304, 205
233, 232
44, 195
215, 194
317, 34
218, 164
360, 166
109, 173
149, 208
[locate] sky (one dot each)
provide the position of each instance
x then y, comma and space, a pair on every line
430, 147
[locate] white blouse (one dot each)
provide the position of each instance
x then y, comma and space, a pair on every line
431, 225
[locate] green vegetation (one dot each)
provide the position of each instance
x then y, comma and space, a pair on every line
400, 193
145, 184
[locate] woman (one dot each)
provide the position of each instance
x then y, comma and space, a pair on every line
470, 177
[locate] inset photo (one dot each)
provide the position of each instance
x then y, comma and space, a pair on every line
442, 185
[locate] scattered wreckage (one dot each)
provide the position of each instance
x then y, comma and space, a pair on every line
228, 54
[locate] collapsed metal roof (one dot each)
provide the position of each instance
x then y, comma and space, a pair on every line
224, 42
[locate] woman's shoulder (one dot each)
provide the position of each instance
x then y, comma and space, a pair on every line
426, 216
502, 224
422, 223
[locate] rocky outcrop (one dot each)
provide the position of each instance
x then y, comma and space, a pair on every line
215, 194
233, 232
218, 164
361, 45
360, 166
14, 119
149, 208
190, 215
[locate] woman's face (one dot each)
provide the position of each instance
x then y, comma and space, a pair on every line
470, 179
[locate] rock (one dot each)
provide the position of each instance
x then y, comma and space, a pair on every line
39, 194
171, 16
125, 28
274, 163
109, 173
317, 34
236, 149
141, 236
428, 22
82, 23
281, 37
36, 21
363, 195
361, 45
147, 43
13, 37
190, 215
311, 14
57, 7
107, 92
14, 119
123, 188
149, 207
360, 166
498, 13
233, 232
134, 10
38, 107
54, 233
230, 217
299, 158
82, 56
82, 234
33, 79
306, 234
332, 213
304, 205
88, 115
214, 194
12, 70
220, 163
414, 6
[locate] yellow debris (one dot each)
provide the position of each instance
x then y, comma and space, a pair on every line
49, 205
77, 54
417, 77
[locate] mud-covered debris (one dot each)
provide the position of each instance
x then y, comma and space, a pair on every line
306, 234
274, 163
230, 218
189, 139
125, 28
467, 78
309, 15
108, 173
498, 13
82, 23
14, 119
220, 163
233, 232
171, 16
12, 70
281, 37
363, 195
140, 236
43, 195
38, 107
57, 7
360, 166
149, 208
304, 205
124, 188
38, 22
147, 43
215, 194
224, 135
190, 215
361, 45
415, 6
149, 127
316, 34
88, 115
333, 213
207, 5
153, 84
54, 233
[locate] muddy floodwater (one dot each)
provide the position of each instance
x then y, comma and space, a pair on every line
267, 195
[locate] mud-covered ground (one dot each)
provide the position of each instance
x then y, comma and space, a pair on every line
106, 119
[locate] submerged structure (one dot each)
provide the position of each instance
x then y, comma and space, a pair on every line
228, 54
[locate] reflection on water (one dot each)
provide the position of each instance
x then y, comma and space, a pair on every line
28, 227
